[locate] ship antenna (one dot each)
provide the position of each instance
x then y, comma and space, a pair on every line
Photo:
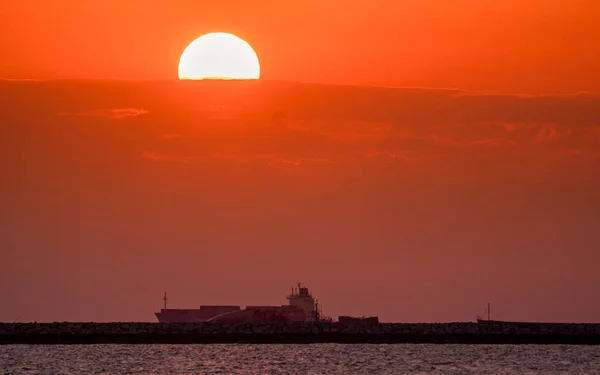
165, 299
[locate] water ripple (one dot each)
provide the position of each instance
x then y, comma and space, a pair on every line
299, 359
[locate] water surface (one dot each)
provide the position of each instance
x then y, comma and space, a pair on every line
300, 359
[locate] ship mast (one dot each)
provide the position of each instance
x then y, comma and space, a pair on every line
165, 299
489, 313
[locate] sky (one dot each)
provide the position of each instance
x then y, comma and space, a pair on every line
413, 160
511, 45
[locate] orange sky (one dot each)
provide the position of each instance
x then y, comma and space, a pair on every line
510, 45
413, 204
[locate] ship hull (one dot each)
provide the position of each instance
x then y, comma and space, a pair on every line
202, 314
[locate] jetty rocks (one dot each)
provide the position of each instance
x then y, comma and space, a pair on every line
298, 332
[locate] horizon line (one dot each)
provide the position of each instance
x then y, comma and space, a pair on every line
302, 82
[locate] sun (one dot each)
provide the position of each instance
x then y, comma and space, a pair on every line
219, 56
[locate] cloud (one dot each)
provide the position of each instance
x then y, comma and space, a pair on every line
166, 157
230, 157
459, 93
283, 161
547, 135
320, 126
271, 159
510, 127
19, 80
494, 142
115, 113
361, 131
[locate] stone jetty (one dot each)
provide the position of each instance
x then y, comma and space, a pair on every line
293, 333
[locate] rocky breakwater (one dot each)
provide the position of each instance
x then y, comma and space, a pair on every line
148, 333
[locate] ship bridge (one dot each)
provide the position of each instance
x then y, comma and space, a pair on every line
301, 298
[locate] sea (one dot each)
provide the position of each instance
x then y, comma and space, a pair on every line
299, 359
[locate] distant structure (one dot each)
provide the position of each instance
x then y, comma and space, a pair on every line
301, 307
359, 320
488, 312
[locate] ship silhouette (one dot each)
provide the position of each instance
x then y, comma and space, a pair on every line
301, 307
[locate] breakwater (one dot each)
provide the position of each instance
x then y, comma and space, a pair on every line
292, 333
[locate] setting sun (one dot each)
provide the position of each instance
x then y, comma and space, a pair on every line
219, 56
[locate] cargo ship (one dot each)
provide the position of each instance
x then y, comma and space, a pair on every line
301, 307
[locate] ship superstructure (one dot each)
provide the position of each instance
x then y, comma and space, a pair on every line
303, 300
301, 307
